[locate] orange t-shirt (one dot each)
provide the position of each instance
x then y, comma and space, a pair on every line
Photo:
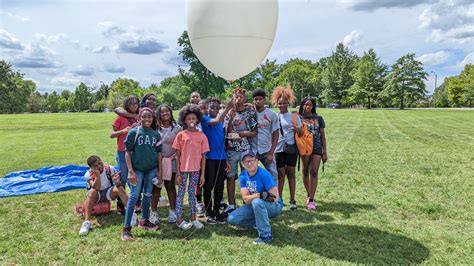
192, 146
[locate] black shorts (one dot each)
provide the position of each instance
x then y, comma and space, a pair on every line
103, 194
284, 159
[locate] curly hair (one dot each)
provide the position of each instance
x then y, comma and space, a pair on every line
187, 110
129, 101
238, 90
282, 92
158, 116
313, 101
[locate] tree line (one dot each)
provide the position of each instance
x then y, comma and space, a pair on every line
342, 79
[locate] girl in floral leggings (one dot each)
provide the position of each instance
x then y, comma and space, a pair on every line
190, 145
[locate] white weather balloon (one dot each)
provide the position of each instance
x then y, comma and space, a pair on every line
231, 37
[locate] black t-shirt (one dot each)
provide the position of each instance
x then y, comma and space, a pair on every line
314, 123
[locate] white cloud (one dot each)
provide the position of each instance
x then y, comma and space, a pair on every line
469, 59
352, 38
9, 41
67, 81
371, 5
36, 56
140, 45
62, 37
449, 20
433, 59
110, 29
81, 70
15, 16
101, 49
113, 68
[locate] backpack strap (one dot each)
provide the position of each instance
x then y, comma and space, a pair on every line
281, 128
294, 119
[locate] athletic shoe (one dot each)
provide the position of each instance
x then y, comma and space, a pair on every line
127, 233
292, 205
228, 210
222, 205
134, 220
262, 240
184, 225
197, 224
200, 209
220, 219
86, 226
211, 220
311, 206
172, 217
147, 225
154, 217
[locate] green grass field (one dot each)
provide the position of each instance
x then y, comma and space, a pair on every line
398, 188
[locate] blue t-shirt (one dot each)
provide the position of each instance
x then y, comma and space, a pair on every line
215, 136
261, 181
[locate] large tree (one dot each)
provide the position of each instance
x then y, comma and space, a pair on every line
53, 102
405, 83
336, 74
14, 90
303, 75
460, 88
198, 78
368, 75
83, 97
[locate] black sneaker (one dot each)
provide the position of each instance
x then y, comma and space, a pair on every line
127, 233
211, 220
220, 219
227, 211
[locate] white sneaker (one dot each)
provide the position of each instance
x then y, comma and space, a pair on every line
184, 225
172, 217
154, 218
200, 209
197, 224
134, 220
86, 226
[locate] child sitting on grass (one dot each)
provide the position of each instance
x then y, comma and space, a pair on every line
103, 184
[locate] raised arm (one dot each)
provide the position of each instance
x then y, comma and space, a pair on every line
122, 112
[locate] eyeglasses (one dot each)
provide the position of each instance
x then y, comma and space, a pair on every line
249, 162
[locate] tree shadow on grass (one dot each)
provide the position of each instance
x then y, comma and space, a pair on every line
345, 208
352, 243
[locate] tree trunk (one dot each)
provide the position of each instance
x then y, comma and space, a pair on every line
369, 102
401, 103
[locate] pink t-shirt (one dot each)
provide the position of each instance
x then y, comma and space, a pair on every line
120, 123
192, 146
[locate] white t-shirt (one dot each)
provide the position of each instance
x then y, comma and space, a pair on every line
104, 181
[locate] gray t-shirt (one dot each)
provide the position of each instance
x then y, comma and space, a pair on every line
286, 121
267, 124
167, 136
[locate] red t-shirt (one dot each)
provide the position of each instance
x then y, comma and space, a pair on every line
192, 146
120, 123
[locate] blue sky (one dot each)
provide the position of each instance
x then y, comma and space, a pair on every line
59, 43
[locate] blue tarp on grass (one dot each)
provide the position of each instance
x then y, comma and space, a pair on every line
43, 180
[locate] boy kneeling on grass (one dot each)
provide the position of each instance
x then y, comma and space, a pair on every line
103, 184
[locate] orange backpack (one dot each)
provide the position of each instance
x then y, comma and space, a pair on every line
305, 142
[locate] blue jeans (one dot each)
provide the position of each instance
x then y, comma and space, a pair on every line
256, 214
122, 167
144, 184
271, 167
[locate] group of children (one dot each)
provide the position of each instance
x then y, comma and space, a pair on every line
201, 151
